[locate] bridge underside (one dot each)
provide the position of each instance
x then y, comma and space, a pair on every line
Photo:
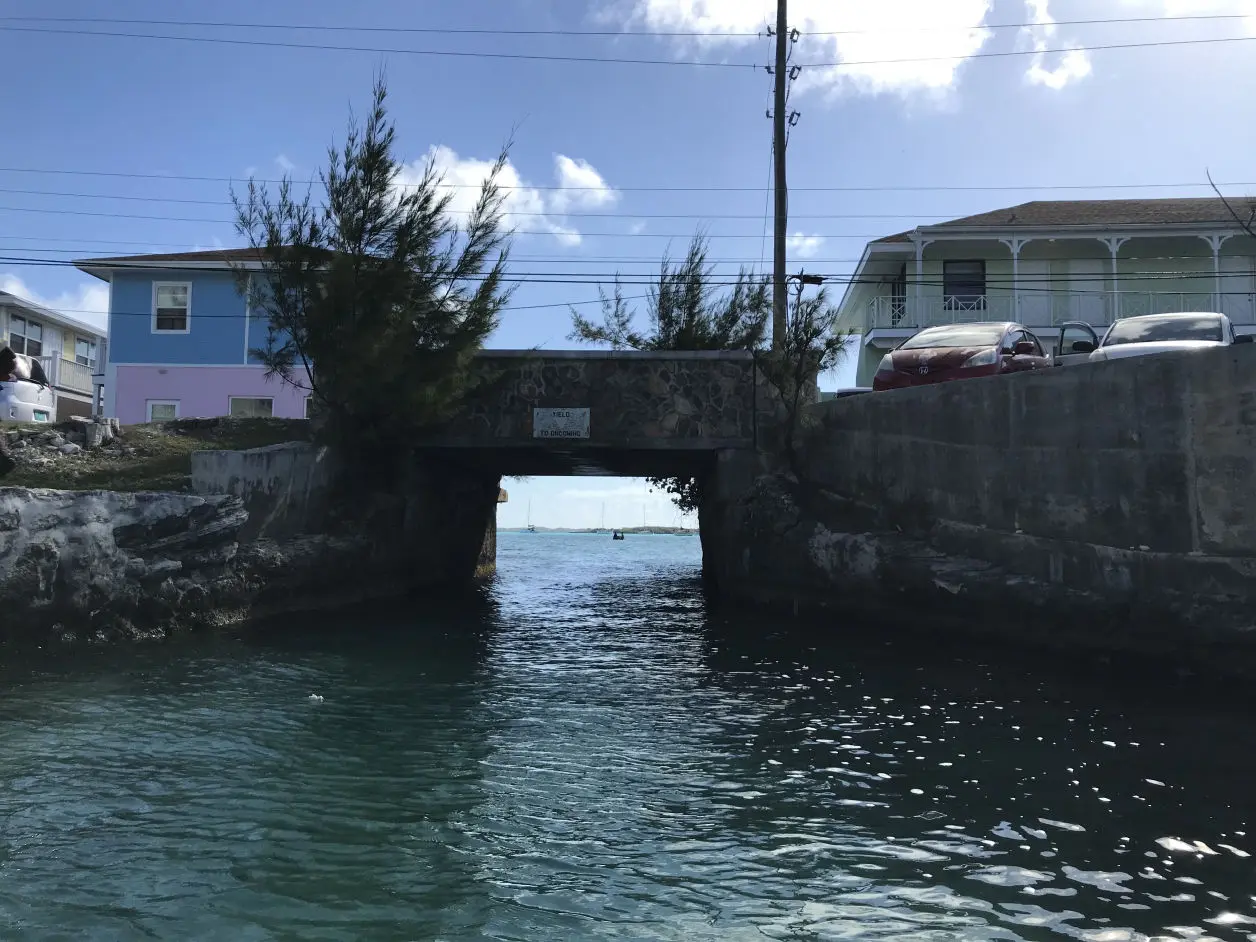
549, 459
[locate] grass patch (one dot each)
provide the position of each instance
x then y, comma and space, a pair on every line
156, 457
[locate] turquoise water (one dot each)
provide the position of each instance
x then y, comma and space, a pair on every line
586, 750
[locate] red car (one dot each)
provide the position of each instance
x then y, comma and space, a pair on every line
960, 351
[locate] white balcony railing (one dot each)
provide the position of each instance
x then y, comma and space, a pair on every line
1050, 308
67, 374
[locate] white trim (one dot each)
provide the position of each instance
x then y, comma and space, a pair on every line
248, 310
149, 403
270, 399
111, 390
171, 284
96, 268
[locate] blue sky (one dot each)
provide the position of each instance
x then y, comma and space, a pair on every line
935, 138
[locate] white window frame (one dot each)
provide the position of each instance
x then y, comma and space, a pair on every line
188, 321
270, 399
95, 348
148, 407
27, 324
308, 399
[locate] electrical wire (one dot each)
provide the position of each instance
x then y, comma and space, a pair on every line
605, 60
615, 34
946, 188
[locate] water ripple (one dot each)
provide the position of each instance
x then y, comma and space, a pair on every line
588, 751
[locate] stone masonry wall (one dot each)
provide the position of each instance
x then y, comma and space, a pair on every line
635, 399
1104, 505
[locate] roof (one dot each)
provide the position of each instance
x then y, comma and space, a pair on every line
1100, 214
215, 258
48, 314
214, 255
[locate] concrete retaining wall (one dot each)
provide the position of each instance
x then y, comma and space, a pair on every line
1150, 453
1106, 505
285, 488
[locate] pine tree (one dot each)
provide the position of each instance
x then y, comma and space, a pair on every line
376, 300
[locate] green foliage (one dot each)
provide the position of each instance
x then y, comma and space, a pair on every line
813, 345
686, 310
375, 293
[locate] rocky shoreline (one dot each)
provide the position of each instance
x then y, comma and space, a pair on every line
270, 531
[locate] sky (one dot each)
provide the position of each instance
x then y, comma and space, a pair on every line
909, 112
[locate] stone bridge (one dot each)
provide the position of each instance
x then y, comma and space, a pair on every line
605, 412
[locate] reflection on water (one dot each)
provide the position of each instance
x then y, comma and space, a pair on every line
587, 752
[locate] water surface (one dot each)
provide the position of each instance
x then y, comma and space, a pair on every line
588, 751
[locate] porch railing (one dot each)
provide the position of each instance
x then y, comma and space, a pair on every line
1049, 309
69, 375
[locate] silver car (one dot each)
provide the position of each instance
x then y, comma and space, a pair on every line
25, 395
1149, 334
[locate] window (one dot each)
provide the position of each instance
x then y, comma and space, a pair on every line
1160, 327
84, 352
26, 336
160, 410
247, 408
171, 307
307, 406
958, 335
964, 286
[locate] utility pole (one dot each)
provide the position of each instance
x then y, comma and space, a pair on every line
780, 299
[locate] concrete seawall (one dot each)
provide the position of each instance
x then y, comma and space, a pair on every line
1106, 504
271, 531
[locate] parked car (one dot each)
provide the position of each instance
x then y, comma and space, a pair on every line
960, 351
1148, 334
25, 395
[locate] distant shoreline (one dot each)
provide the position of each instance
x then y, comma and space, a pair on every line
627, 531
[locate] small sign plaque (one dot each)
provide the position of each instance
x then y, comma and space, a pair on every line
560, 423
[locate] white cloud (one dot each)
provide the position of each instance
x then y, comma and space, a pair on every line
875, 36
1245, 8
284, 164
583, 186
804, 246
580, 187
1069, 66
88, 303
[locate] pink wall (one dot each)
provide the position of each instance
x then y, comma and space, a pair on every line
201, 391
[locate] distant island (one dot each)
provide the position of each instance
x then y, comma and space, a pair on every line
627, 531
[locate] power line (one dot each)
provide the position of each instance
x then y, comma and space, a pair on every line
437, 53
572, 214
873, 188
615, 34
1009, 53
604, 279
537, 57
1109, 21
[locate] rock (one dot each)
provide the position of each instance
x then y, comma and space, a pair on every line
69, 448
101, 563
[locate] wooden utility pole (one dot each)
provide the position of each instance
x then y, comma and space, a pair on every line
780, 297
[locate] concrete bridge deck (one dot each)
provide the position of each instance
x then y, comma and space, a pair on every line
599, 412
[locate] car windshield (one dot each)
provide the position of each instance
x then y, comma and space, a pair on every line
957, 335
1165, 327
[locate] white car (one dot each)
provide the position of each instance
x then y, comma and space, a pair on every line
25, 395
1152, 333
